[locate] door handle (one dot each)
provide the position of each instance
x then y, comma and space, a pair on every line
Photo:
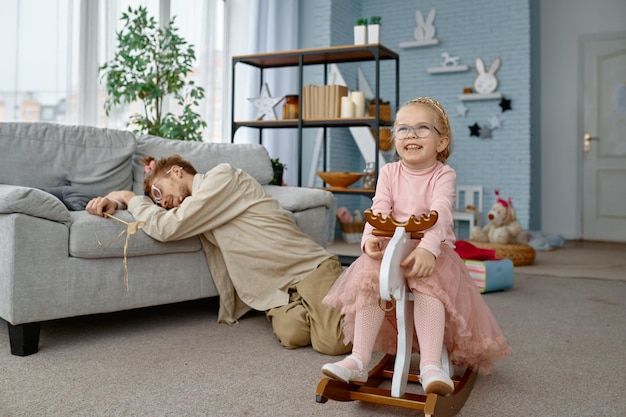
587, 138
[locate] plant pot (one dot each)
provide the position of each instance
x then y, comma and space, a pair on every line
360, 34
278, 176
373, 33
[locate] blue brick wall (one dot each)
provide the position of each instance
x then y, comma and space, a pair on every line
481, 28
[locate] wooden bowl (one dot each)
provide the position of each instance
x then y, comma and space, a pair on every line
338, 179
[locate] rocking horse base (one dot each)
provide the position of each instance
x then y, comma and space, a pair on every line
430, 405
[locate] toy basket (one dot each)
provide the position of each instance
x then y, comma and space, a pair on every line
519, 253
352, 231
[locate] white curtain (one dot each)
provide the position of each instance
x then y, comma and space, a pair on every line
88, 64
270, 26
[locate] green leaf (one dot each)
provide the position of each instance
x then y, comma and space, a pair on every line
149, 65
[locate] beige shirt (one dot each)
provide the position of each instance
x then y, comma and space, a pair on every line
254, 250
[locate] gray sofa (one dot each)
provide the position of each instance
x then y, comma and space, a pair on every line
57, 263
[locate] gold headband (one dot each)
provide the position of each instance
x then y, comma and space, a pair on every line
433, 103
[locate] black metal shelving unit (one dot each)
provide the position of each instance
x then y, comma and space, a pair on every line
320, 56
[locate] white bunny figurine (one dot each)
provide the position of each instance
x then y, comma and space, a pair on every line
425, 30
486, 82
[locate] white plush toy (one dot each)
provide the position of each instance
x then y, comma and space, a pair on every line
502, 226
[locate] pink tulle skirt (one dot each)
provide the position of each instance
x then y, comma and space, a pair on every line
472, 334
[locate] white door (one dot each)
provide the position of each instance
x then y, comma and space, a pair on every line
603, 139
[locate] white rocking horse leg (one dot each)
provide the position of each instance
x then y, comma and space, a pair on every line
404, 319
393, 285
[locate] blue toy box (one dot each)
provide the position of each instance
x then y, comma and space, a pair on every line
494, 275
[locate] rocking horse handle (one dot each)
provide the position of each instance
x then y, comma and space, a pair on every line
391, 274
387, 226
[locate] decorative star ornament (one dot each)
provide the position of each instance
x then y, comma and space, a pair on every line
474, 130
505, 103
485, 132
495, 122
265, 104
461, 110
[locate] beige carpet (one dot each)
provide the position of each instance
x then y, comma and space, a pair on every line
568, 336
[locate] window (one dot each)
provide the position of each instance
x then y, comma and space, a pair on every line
49, 70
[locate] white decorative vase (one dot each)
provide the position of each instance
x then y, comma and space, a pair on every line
373, 33
360, 34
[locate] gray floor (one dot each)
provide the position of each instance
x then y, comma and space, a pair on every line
567, 333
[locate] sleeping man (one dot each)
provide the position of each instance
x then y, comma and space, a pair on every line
259, 259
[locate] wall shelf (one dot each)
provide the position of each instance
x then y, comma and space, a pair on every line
338, 190
418, 44
475, 96
440, 70
320, 56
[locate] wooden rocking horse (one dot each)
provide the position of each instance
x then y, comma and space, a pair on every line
396, 367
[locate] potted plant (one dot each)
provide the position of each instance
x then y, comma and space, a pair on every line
373, 29
360, 31
279, 168
150, 64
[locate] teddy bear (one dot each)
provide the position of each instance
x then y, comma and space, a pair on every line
502, 226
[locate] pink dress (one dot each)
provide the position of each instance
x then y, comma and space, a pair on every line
472, 334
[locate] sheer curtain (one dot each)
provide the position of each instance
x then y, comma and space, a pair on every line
270, 26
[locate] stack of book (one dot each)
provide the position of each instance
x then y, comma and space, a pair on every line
322, 101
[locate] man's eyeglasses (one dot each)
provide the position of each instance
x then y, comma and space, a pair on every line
421, 130
156, 193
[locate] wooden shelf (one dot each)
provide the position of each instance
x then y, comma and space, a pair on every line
339, 190
333, 54
294, 123
299, 58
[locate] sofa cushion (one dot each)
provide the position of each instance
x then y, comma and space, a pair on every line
74, 198
96, 237
51, 155
32, 202
253, 158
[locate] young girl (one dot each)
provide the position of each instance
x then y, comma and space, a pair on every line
448, 308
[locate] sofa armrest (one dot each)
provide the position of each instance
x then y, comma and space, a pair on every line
300, 198
32, 202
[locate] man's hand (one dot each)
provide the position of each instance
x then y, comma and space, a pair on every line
109, 204
423, 263
373, 247
101, 205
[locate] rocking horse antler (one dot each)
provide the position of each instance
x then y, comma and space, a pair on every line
387, 226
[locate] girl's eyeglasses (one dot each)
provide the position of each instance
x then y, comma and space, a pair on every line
421, 130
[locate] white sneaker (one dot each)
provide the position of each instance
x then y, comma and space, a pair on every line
438, 382
340, 373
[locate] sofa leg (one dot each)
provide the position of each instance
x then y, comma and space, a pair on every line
24, 338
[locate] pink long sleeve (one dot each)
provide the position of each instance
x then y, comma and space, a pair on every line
403, 192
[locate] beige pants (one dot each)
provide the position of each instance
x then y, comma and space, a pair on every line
305, 320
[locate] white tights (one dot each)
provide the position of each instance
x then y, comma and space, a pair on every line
429, 316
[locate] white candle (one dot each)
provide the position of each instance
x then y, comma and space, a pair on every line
347, 107
358, 97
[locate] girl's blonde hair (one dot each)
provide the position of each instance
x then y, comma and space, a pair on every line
442, 123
